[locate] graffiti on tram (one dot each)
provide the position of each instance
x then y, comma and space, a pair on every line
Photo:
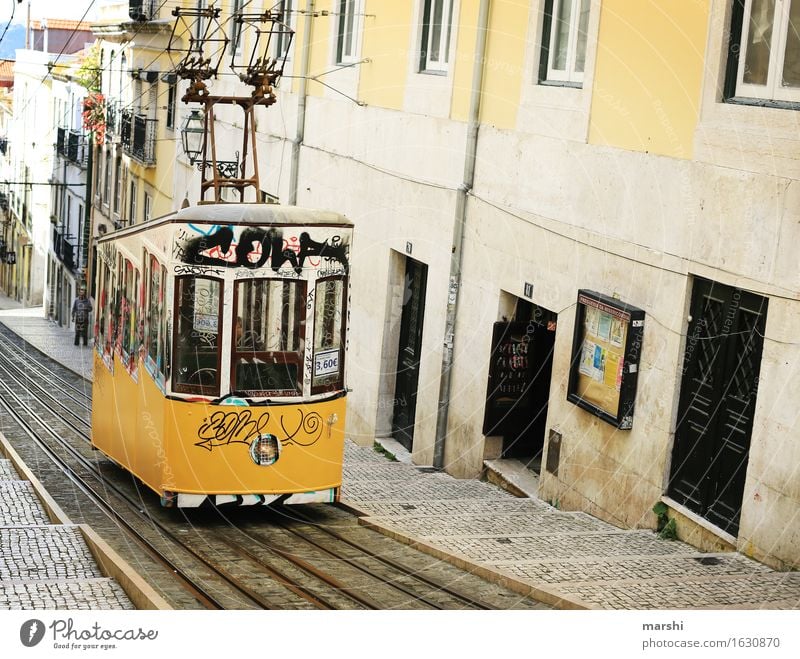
242, 427
255, 246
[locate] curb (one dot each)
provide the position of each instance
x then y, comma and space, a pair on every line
111, 564
542, 594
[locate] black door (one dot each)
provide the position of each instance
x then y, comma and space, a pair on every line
519, 381
717, 401
408, 357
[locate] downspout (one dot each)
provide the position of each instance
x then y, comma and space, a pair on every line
458, 234
87, 212
297, 142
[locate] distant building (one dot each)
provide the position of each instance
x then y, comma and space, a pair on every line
54, 35
6, 73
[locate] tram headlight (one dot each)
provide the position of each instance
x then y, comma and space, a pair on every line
265, 450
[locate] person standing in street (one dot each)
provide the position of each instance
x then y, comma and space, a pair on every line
81, 311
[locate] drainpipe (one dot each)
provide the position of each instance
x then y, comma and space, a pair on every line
297, 142
458, 234
86, 233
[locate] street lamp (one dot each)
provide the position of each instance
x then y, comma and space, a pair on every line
193, 133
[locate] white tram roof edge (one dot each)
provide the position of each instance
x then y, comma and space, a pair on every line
232, 213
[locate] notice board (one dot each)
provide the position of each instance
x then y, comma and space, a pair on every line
605, 357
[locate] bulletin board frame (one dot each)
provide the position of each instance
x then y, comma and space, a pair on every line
606, 348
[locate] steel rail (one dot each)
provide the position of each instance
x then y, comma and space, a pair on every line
467, 599
190, 584
135, 507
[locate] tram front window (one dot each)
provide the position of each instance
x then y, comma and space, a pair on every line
267, 351
197, 342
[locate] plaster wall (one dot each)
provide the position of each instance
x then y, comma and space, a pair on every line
388, 212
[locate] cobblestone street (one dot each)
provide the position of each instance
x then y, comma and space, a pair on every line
567, 559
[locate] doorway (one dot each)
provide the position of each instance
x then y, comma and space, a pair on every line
409, 351
721, 365
519, 382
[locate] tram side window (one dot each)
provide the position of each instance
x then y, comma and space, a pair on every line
106, 308
198, 312
102, 293
155, 316
119, 292
328, 336
267, 351
128, 310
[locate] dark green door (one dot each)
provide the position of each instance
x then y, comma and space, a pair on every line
408, 358
717, 402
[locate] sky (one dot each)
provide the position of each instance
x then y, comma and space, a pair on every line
72, 9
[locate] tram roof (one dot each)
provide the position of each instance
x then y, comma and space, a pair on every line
257, 214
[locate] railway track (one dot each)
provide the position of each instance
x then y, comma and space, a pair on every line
216, 558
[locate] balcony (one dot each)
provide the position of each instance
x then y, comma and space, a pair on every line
64, 250
139, 137
143, 10
71, 144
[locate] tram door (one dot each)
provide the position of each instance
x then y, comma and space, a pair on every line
410, 348
717, 401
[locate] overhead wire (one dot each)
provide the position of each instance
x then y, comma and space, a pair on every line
13, 11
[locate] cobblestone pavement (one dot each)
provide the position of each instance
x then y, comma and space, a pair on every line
44, 565
567, 559
46, 335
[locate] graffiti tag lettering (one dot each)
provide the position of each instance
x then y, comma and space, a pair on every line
223, 428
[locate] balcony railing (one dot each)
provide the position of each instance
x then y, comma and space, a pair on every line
143, 10
64, 249
139, 137
71, 144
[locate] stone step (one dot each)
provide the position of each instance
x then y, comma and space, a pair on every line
19, 504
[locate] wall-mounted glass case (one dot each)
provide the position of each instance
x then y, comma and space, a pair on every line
606, 348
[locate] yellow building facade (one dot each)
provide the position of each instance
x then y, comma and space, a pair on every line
524, 176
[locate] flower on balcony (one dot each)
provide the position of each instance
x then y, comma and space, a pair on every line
94, 116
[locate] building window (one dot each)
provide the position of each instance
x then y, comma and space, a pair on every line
107, 182
171, 92
764, 55
283, 37
349, 28
118, 186
437, 18
236, 29
200, 23
148, 206
564, 41
132, 204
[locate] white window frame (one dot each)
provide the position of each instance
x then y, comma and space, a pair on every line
107, 179
236, 28
773, 89
132, 203
172, 93
148, 207
427, 63
568, 74
286, 8
117, 208
351, 13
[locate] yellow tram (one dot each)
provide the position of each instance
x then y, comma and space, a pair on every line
220, 342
